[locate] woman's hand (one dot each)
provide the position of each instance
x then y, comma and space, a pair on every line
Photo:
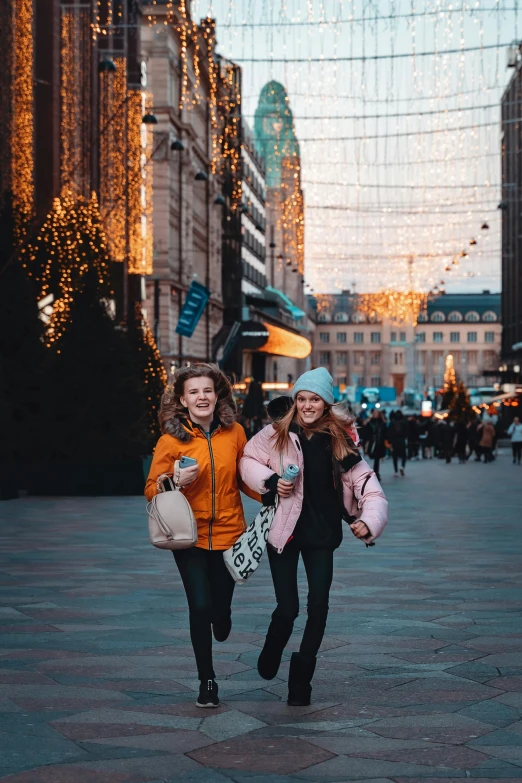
285, 488
186, 475
360, 530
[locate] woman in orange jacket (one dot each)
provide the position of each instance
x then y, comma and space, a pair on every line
198, 421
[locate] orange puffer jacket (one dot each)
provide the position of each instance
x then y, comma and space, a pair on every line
215, 495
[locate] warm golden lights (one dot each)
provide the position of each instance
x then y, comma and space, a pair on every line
22, 121
392, 305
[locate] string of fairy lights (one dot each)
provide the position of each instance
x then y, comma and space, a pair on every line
396, 109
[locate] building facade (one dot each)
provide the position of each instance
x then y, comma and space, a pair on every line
511, 210
365, 352
189, 85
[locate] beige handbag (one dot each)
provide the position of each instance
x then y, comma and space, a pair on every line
172, 524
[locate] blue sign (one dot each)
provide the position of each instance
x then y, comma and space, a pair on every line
195, 302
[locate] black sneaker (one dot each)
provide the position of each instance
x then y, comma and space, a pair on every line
208, 694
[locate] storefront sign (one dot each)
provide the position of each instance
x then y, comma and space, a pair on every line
253, 335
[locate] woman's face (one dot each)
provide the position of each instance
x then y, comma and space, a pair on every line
310, 406
516, 420
200, 398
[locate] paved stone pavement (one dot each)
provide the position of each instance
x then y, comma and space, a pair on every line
419, 677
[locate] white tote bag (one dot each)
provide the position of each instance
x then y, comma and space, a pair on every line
243, 557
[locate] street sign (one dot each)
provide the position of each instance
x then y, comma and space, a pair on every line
195, 302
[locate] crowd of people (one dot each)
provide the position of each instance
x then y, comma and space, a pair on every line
416, 437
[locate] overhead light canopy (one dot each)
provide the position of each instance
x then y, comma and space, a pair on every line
220, 200
149, 119
201, 176
177, 145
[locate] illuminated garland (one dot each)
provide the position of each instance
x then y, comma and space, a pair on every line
70, 243
75, 94
209, 34
392, 305
113, 91
293, 211
183, 30
230, 140
139, 190
21, 115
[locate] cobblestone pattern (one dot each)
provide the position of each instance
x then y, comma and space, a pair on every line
419, 677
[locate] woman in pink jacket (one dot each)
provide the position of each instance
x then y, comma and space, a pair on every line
334, 482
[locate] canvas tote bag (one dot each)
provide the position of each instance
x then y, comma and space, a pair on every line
172, 524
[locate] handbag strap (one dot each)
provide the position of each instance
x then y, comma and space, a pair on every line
165, 477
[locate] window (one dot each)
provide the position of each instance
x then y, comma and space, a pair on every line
490, 359
324, 358
489, 337
472, 337
375, 357
420, 337
489, 316
455, 316
375, 380
437, 357
324, 337
341, 337
358, 337
456, 357
454, 337
393, 337
438, 337
472, 317
341, 380
322, 318
422, 318
403, 337
358, 357
398, 358
342, 358
342, 318
472, 358
358, 318
423, 356
361, 380
375, 337
438, 317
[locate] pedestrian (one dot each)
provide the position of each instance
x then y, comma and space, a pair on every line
445, 432
413, 438
487, 434
426, 438
397, 435
197, 419
474, 439
461, 441
333, 483
377, 440
515, 432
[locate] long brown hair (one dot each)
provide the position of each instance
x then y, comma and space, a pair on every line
330, 423
171, 408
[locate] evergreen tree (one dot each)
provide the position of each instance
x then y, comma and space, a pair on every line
23, 385
99, 410
460, 407
151, 370
450, 384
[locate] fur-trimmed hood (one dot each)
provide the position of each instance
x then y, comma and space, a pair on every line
182, 428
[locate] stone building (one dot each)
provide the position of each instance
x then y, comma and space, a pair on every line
365, 352
188, 83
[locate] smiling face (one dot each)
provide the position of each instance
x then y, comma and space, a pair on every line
200, 398
310, 407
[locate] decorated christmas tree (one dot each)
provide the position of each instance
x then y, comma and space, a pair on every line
460, 407
450, 384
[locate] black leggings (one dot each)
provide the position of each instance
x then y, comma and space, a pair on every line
318, 564
517, 451
209, 588
398, 453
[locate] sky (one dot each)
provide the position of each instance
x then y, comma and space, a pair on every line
397, 111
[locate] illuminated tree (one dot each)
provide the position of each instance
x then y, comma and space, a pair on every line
460, 407
450, 383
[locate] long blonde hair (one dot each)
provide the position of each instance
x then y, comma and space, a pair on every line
330, 423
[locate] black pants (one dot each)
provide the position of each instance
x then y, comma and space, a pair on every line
398, 453
488, 453
376, 465
318, 565
209, 588
517, 451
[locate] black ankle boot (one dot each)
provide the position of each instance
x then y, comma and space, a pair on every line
300, 680
269, 661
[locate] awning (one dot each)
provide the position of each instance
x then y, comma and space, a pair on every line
281, 342
294, 310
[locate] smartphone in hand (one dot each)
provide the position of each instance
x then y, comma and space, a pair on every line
187, 462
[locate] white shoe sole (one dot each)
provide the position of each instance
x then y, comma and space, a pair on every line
207, 706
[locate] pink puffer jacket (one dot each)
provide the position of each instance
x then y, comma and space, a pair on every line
363, 496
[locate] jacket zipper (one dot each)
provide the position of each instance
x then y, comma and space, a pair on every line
213, 474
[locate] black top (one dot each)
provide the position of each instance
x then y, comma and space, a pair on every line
320, 523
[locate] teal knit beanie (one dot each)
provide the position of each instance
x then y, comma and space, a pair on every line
318, 381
